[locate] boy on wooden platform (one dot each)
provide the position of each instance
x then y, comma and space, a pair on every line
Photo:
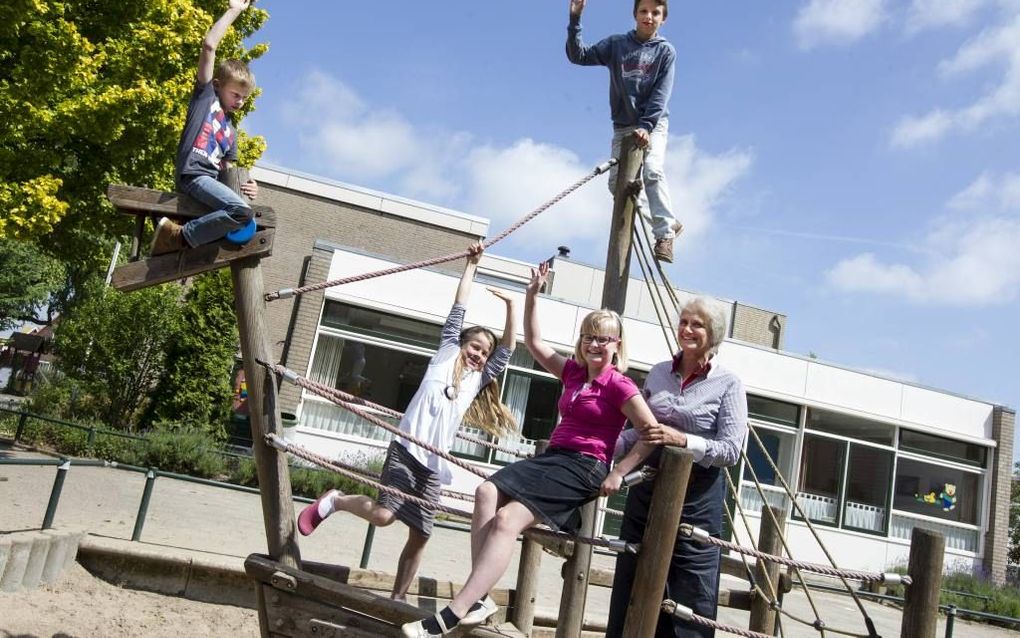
208, 145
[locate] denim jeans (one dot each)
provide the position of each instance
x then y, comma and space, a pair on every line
229, 210
654, 201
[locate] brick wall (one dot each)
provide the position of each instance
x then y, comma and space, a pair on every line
997, 536
754, 325
301, 220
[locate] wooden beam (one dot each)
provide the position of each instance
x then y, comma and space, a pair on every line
324, 594
770, 541
163, 268
621, 232
523, 614
921, 597
135, 200
657, 543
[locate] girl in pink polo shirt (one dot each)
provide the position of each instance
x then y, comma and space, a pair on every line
597, 400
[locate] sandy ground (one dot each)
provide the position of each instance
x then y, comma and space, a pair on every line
80, 606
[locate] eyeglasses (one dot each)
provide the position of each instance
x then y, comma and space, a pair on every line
601, 340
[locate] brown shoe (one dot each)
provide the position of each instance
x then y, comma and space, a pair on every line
169, 238
664, 249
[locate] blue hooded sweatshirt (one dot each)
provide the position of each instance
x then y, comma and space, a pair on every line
640, 73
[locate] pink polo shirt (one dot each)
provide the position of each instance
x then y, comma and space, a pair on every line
591, 418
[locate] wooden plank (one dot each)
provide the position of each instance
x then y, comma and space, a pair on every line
322, 590
523, 614
164, 268
770, 540
382, 581
135, 200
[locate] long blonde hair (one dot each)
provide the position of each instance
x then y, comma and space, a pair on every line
486, 411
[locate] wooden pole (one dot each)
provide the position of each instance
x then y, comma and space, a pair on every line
271, 465
621, 233
527, 575
668, 497
575, 579
770, 541
921, 600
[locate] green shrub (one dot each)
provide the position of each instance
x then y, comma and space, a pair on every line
183, 451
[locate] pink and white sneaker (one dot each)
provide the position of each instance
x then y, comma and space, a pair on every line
311, 516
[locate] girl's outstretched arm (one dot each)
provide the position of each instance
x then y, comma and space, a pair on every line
543, 353
509, 338
464, 288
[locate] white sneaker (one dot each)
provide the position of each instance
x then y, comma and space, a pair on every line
417, 629
480, 612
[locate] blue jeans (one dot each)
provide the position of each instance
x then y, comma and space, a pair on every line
229, 210
654, 202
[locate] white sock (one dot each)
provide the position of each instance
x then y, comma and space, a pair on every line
326, 504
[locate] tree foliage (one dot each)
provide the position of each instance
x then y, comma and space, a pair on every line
94, 92
29, 280
195, 388
113, 347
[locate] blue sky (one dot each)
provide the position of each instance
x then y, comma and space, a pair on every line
851, 163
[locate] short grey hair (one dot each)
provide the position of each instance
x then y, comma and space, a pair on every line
714, 317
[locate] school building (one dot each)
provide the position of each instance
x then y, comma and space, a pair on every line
868, 458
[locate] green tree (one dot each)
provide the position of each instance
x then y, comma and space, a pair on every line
195, 388
113, 347
29, 280
94, 92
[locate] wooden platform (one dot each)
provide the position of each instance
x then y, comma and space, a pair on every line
146, 202
308, 603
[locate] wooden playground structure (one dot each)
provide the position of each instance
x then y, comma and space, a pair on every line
298, 598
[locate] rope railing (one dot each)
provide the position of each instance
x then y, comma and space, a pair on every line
287, 293
302, 453
340, 397
353, 407
686, 613
701, 536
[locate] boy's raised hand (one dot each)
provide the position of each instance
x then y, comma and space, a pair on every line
577, 7
239, 4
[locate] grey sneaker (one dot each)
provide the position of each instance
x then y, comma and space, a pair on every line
479, 612
169, 238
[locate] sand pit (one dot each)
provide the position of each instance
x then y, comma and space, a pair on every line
80, 606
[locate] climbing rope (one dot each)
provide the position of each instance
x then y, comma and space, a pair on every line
352, 406
287, 293
341, 398
296, 450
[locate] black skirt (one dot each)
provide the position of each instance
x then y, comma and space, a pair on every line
404, 472
554, 485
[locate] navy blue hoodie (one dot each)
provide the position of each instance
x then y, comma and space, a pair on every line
640, 73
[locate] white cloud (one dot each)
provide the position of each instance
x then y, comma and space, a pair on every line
998, 45
837, 22
973, 256
931, 14
356, 143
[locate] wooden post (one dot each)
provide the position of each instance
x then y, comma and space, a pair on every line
575, 578
614, 290
770, 535
668, 497
527, 575
921, 600
271, 465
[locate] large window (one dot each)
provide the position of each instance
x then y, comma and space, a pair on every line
869, 471
776, 448
821, 474
773, 411
949, 449
850, 426
937, 491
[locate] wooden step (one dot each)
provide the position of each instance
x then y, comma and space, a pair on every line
136, 275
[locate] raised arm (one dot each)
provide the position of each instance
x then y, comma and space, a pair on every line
543, 353
207, 58
577, 51
468, 278
509, 339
